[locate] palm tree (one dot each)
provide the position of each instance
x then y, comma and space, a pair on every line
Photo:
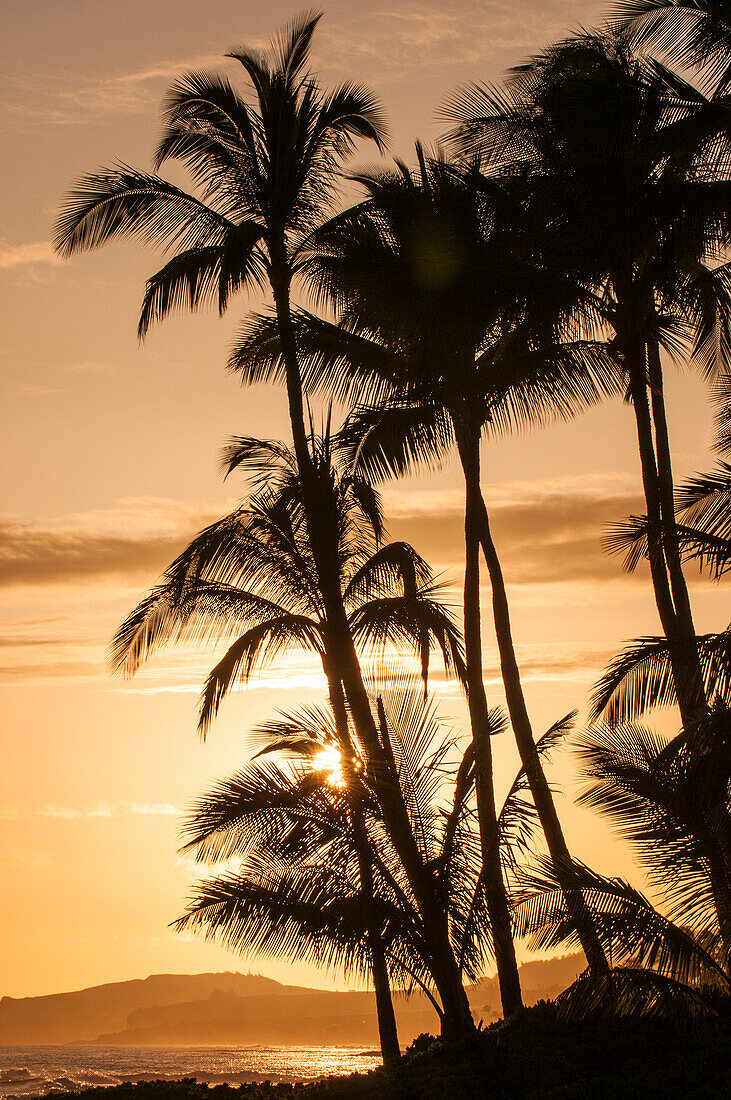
628, 159
319, 878
451, 325
249, 579
641, 676
266, 173
306, 889
688, 32
672, 804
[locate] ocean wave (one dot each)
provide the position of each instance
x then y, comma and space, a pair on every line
42, 1071
16, 1075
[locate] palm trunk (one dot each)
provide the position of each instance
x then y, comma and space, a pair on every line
540, 790
718, 873
457, 1018
390, 1049
496, 894
634, 311
694, 688
388, 1034
635, 354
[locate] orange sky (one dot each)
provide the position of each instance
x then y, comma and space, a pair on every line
110, 452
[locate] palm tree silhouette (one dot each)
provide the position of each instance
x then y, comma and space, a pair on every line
307, 888
632, 161
673, 805
641, 676
450, 325
687, 32
266, 174
250, 579
319, 878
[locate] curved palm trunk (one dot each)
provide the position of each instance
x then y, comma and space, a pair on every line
496, 894
696, 697
540, 790
684, 665
388, 1034
457, 1019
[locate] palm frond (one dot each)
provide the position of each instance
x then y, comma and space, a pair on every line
640, 678
123, 201
260, 644
517, 819
198, 275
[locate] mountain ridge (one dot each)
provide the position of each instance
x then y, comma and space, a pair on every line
230, 1008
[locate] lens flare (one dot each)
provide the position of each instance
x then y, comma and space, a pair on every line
330, 760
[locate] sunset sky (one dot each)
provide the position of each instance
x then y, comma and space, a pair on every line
110, 451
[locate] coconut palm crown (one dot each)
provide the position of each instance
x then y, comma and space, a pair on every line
635, 162
263, 167
249, 579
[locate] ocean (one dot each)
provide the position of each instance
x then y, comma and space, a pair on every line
42, 1070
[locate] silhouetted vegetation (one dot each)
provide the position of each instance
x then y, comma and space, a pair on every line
573, 230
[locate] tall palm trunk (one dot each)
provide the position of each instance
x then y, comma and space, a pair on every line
496, 893
695, 689
457, 1019
686, 685
388, 1034
540, 790
387, 1031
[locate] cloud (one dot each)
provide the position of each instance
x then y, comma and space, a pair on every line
285, 681
545, 534
413, 36
552, 536
80, 99
151, 809
67, 813
32, 555
548, 535
102, 810
136, 540
401, 40
36, 252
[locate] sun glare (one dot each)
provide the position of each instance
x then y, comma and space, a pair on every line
330, 760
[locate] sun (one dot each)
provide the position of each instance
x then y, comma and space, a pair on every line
330, 760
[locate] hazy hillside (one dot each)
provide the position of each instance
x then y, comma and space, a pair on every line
85, 1013
230, 1009
330, 1019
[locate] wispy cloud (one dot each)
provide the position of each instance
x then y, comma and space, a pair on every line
35, 252
285, 681
377, 43
546, 533
549, 537
414, 36
102, 810
78, 100
137, 539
